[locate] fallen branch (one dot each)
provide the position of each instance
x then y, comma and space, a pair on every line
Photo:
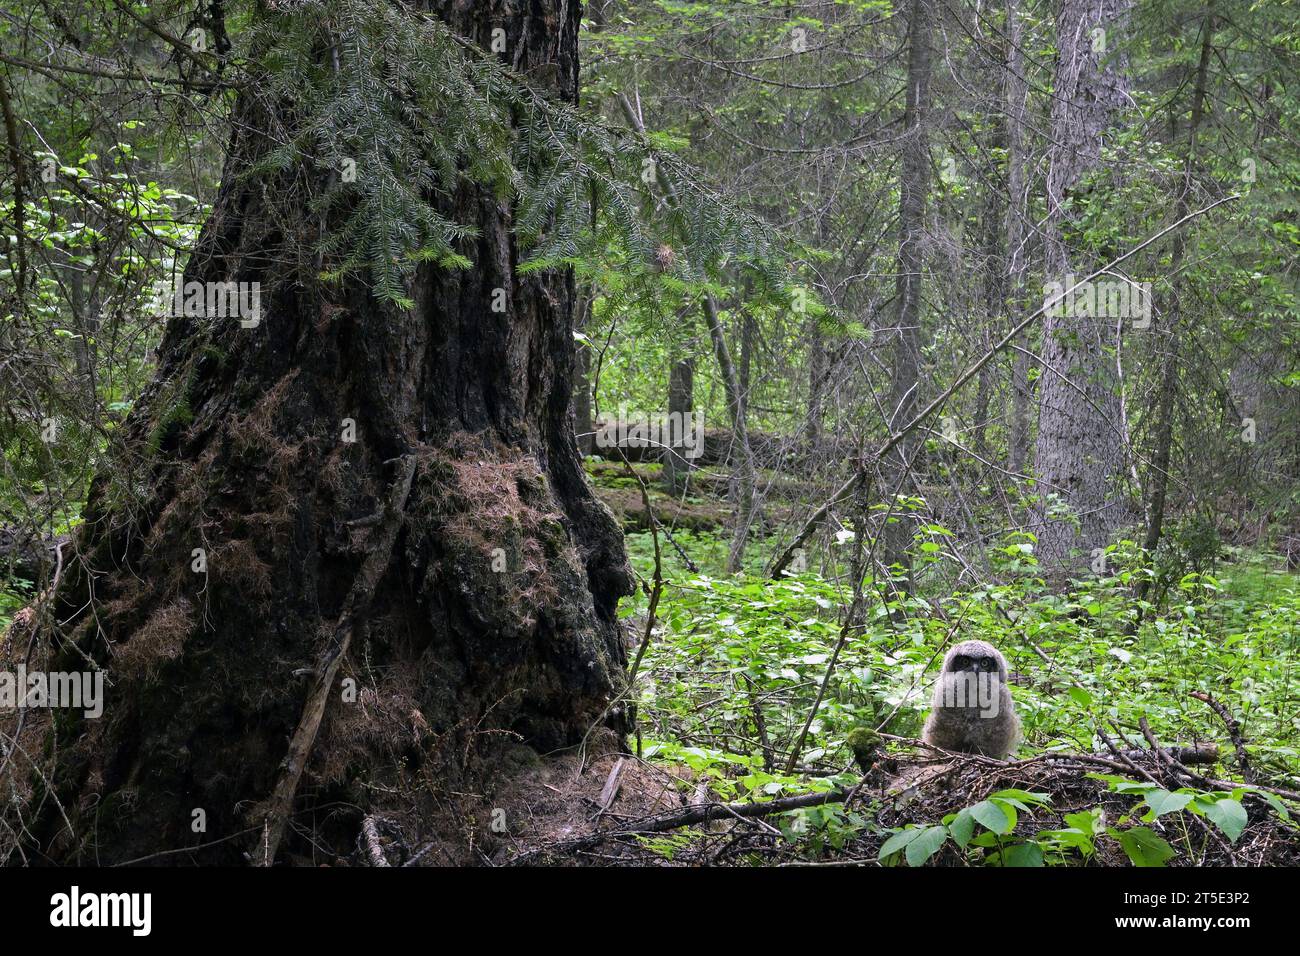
1202, 753
1234, 733
423, 852
1205, 753
689, 816
374, 849
610, 790
1161, 757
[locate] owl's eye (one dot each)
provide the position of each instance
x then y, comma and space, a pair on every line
960, 663
987, 664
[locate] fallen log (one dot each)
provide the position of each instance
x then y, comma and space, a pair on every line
1205, 753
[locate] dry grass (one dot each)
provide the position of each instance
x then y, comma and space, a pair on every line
237, 565
161, 639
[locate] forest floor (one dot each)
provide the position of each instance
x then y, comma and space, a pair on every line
617, 809
734, 661
733, 667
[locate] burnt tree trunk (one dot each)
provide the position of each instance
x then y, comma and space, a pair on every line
491, 615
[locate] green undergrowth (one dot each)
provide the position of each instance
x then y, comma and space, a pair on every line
735, 663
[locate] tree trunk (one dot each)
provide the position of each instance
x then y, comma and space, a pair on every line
1079, 452
584, 423
748, 342
1017, 93
1161, 454
477, 607
681, 402
746, 473
818, 381
914, 187
993, 276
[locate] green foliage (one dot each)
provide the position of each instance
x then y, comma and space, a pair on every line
407, 113
1224, 809
101, 216
819, 828
735, 663
1190, 545
1143, 846
864, 743
979, 831
985, 831
14, 596
761, 648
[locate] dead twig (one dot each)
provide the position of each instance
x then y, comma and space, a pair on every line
610, 790
1234, 733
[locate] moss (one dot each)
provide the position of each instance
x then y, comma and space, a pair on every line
552, 533
865, 744
515, 757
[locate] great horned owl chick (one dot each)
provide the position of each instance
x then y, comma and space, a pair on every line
972, 710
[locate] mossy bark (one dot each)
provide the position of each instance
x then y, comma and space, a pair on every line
496, 612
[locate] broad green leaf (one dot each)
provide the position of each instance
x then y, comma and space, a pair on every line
961, 828
1022, 797
992, 815
1275, 802
898, 841
1085, 822
1228, 815
1162, 802
1071, 837
1144, 847
926, 845
1023, 854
